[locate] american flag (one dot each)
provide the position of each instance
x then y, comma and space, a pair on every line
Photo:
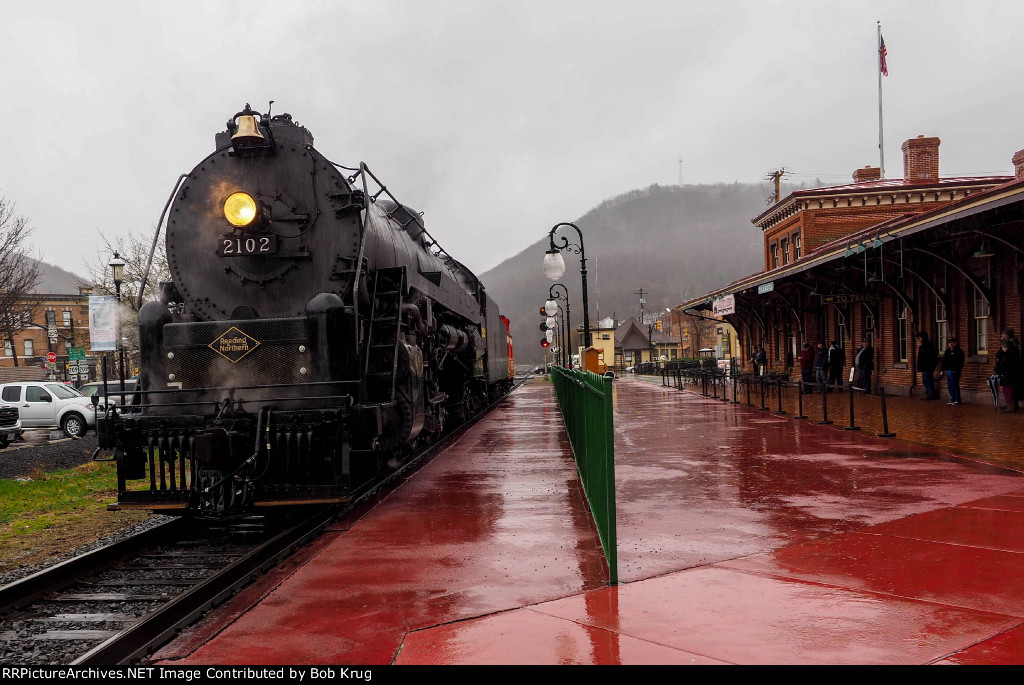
881, 56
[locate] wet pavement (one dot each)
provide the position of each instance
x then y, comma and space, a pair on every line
744, 537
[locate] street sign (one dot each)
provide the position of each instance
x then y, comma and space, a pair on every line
51, 357
73, 370
766, 288
76, 353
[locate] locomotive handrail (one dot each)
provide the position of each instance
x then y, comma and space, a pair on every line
156, 237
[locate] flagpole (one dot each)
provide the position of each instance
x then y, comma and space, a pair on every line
881, 147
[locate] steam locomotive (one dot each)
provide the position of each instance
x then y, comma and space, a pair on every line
313, 334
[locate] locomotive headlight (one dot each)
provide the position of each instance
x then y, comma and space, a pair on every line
240, 209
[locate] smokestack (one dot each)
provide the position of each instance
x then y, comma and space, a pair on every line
921, 159
1018, 165
868, 173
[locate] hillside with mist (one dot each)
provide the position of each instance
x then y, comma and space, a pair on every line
674, 242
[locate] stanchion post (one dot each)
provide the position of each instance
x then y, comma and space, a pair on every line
824, 408
885, 417
747, 382
851, 427
800, 401
780, 411
763, 407
735, 380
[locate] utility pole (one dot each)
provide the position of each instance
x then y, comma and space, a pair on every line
680, 172
776, 176
641, 293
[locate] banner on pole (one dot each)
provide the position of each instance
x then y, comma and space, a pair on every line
103, 323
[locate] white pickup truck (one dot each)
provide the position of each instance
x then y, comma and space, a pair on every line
10, 424
44, 404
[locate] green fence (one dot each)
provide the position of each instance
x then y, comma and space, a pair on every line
585, 400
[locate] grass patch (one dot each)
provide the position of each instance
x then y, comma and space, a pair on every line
49, 495
55, 512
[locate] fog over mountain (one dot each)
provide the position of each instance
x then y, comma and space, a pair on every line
54, 280
675, 242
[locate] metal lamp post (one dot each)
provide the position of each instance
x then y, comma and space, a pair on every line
117, 269
568, 322
554, 268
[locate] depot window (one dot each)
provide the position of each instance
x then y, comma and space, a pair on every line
980, 311
901, 332
774, 249
796, 246
785, 251
941, 324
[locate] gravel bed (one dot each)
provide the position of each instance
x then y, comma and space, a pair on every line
25, 571
24, 457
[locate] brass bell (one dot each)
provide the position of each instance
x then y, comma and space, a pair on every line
248, 133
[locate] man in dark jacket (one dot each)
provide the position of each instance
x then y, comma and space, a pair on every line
927, 358
952, 364
865, 363
760, 361
821, 367
835, 365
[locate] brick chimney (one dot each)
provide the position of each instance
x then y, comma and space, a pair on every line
1018, 164
868, 173
921, 159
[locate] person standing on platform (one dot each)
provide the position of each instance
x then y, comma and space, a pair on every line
865, 363
952, 365
807, 367
927, 358
760, 361
836, 357
821, 367
1008, 370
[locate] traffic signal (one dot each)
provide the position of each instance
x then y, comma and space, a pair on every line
657, 325
543, 325
543, 312
544, 343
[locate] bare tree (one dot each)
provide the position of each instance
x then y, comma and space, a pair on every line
134, 249
19, 273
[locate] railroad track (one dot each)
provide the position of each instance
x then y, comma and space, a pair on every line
118, 604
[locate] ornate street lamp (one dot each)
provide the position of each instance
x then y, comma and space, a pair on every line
564, 295
554, 268
117, 270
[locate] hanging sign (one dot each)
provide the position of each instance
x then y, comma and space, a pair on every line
766, 287
724, 305
849, 297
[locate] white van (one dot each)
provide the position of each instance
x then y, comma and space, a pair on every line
51, 405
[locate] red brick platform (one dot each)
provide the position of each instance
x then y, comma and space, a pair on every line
743, 538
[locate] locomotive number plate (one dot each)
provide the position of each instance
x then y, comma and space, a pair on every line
243, 247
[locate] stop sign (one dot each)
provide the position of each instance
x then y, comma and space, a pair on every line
51, 357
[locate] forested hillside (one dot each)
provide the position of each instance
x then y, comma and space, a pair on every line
674, 242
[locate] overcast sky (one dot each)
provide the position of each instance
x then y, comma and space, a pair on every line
497, 119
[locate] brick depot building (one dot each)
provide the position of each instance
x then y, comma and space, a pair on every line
882, 259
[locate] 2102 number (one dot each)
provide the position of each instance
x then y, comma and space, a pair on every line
247, 246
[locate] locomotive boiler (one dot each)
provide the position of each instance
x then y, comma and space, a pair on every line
312, 335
